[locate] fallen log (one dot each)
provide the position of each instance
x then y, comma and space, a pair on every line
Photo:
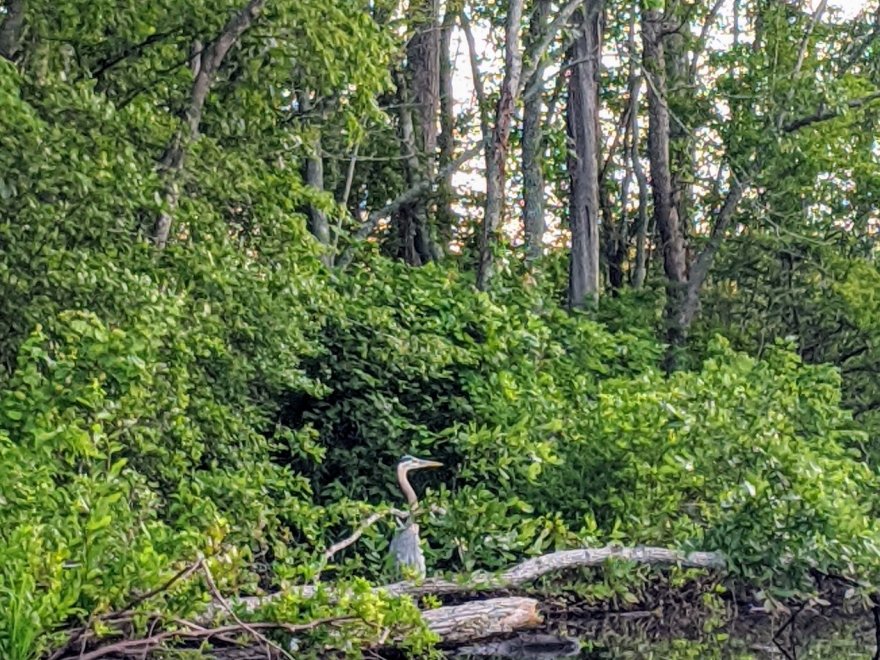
479, 619
519, 574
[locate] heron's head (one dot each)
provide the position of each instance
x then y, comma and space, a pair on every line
408, 463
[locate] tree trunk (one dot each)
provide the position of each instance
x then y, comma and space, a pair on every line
665, 213
583, 129
496, 150
533, 143
11, 28
205, 64
446, 216
678, 98
314, 176
640, 270
419, 108
411, 219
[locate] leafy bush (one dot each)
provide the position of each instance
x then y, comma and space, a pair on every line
557, 432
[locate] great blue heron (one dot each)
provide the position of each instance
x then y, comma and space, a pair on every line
406, 548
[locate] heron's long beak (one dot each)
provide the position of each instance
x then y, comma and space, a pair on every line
429, 464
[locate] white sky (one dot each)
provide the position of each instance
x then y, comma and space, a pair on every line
849, 8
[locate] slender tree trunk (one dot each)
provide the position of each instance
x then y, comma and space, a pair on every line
641, 228
534, 225
11, 29
319, 227
583, 127
665, 213
318, 224
446, 216
678, 96
205, 64
410, 219
496, 150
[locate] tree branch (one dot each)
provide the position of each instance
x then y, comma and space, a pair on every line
206, 63
131, 50
406, 197
700, 45
700, 269
245, 626
479, 90
828, 114
524, 572
536, 54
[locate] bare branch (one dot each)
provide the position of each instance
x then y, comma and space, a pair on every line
524, 572
859, 49
406, 197
704, 37
349, 540
225, 605
542, 45
802, 50
479, 90
132, 50
827, 114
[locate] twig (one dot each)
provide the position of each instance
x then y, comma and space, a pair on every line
82, 634
177, 577
220, 599
349, 540
787, 624
198, 632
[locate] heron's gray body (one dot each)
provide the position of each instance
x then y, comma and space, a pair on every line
406, 547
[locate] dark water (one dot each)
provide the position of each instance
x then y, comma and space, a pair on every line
653, 635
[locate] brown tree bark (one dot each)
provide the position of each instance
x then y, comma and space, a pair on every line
446, 216
420, 103
583, 130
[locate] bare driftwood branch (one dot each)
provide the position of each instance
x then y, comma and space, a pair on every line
524, 572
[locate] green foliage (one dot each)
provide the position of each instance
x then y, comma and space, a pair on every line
228, 397
557, 432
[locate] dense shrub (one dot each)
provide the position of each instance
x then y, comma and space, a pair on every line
556, 431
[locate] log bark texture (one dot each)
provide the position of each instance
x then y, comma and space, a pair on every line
480, 619
522, 573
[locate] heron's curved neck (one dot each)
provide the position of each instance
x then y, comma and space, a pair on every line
405, 486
